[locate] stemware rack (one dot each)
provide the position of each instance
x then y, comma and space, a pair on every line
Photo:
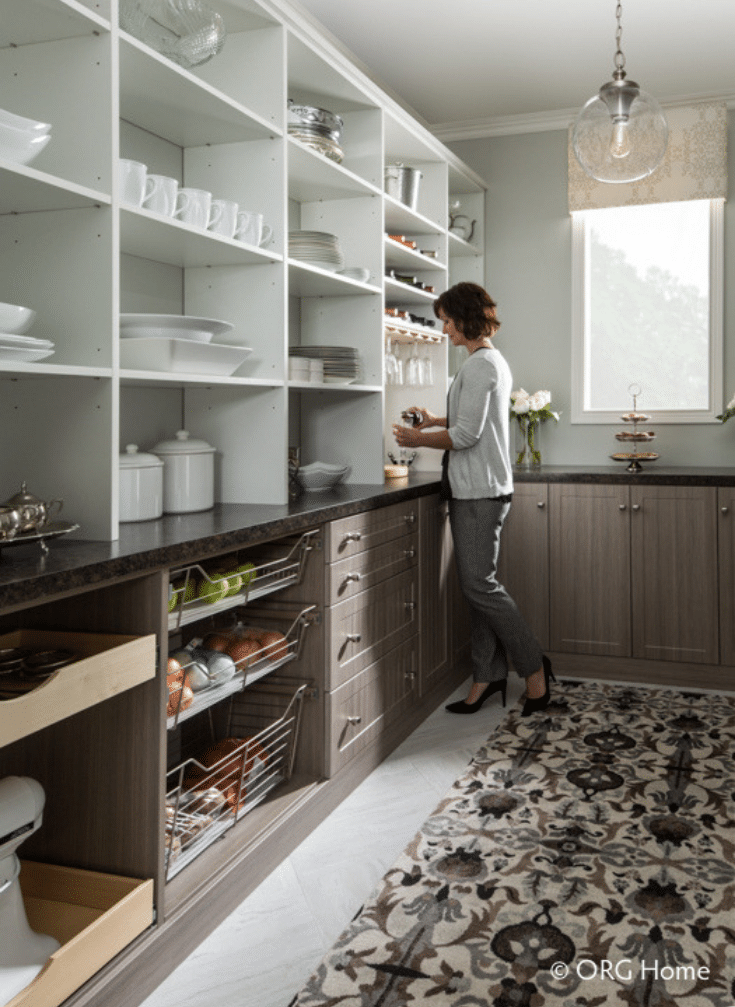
203, 802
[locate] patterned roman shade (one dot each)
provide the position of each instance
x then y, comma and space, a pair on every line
694, 166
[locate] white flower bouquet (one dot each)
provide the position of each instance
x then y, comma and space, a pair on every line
729, 411
529, 410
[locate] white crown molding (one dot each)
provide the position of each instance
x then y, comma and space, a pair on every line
540, 122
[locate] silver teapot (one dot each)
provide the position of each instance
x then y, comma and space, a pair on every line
34, 513
10, 522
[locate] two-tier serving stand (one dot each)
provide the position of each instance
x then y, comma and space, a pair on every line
635, 437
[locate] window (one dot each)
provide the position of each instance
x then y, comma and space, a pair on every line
647, 310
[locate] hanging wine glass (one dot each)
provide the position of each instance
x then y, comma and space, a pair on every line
413, 368
391, 364
427, 366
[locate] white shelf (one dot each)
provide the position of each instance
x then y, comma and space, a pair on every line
399, 256
311, 281
26, 22
133, 378
401, 219
25, 189
164, 239
402, 293
170, 102
42, 369
312, 177
331, 386
459, 247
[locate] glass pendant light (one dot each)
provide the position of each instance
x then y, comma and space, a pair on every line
620, 135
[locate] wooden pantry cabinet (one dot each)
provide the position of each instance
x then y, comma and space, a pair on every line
638, 576
72, 250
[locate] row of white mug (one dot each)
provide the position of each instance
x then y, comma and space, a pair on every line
196, 207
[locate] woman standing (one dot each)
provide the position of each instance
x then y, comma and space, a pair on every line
478, 479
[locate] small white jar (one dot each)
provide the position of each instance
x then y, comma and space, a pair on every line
188, 474
141, 485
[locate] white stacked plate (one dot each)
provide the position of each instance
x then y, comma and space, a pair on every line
320, 141
148, 326
178, 343
341, 363
16, 349
317, 248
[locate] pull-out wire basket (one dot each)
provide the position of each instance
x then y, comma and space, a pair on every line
209, 793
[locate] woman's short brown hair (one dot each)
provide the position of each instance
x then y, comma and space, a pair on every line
471, 309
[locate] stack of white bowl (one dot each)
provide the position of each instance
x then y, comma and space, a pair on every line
15, 347
21, 139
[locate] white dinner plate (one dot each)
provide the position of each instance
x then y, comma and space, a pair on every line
181, 356
21, 355
148, 326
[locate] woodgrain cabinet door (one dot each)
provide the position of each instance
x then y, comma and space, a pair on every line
523, 568
590, 569
726, 509
675, 593
434, 560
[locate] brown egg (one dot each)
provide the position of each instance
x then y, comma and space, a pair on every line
275, 644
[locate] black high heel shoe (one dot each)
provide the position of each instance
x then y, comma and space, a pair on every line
463, 707
536, 705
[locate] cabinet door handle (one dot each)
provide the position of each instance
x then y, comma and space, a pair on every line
409, 553
622, 507
352, 576
410, 676
725, 510
354, 720
353, 536
636, 507
410, 606
410, 519
354, 637
541, 505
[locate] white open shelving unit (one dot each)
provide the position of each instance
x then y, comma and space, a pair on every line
72, 251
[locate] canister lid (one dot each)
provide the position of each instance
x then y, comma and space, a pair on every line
134, 459
183, 444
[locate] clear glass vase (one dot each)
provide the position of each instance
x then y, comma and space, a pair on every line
527, 442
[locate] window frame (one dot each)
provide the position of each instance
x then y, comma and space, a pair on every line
580, 296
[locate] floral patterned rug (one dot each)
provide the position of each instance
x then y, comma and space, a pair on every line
586, 857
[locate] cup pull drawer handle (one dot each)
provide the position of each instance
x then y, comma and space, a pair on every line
410, 606
410, 676
621, 507
410, 519
352, 576
354, 637
354, 720
353, 536
409, 553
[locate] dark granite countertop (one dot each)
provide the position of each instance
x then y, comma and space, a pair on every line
73, 564
650, 475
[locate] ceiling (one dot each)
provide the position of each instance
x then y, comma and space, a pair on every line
471, 66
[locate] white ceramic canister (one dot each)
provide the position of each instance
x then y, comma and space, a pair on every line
141, 485
188, 473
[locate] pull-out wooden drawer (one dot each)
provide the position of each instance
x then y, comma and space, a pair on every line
359, 711
351, 535
362, 629
350, 576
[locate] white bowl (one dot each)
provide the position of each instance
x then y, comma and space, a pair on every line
148, 326
181, 356
19, 146
20, 122
321, 475
15, 319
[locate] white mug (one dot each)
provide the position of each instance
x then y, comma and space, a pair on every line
250, 228
160, 194
226, 223
132, 176
194, 207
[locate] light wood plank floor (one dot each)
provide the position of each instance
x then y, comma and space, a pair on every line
264, 951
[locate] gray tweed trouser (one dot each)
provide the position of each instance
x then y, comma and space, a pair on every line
499, 633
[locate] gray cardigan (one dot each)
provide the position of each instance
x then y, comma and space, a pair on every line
478, 422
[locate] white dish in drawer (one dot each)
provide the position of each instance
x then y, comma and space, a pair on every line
181, 356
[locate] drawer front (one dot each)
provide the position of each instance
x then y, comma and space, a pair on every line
360, 710
351, 535
349, 577
362, 629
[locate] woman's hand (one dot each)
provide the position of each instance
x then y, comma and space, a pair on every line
407, 437
428, 419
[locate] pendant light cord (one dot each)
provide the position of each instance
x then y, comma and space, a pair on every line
619, 57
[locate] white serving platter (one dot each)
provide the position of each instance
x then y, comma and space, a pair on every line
181, 356
150, 326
